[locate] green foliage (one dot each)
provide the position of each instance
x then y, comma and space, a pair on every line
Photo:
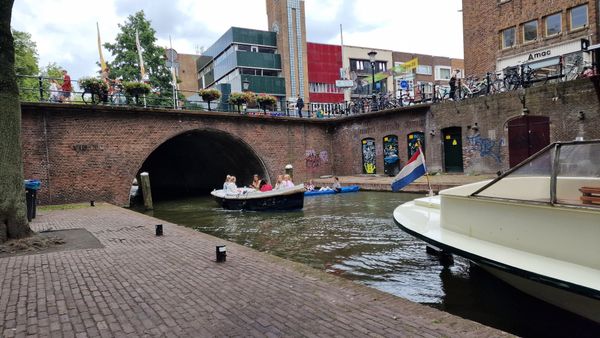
209, 94
93, 85
266, 100
126, 63
237, 98
136, 88
26, 66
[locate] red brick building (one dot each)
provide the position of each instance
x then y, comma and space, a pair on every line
508, 33
324, 66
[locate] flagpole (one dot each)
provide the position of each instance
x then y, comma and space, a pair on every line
430, 193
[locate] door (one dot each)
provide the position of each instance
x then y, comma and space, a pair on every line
453, 157
412, 140
368, 155
391, 161
526, 136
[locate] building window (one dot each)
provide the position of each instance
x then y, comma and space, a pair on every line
508, 37
553, 24
530, 31
579, 17
424, 70
442, 72
244, 48
381, 66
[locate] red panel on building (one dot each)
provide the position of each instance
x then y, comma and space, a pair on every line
324, 63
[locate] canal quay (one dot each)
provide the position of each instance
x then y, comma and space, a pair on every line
139, 284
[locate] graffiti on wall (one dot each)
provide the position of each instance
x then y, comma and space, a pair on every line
391, 161
314, 160
369, 155
485, 147
413, 141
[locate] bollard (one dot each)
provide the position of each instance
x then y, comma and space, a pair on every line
159, 230
146, 191
221, 253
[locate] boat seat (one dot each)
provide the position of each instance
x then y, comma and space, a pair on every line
590, 195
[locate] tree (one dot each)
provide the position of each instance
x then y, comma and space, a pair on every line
126, 62
26, 65
13, 217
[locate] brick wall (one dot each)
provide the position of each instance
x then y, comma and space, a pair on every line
483, 21
93, 152
84, 153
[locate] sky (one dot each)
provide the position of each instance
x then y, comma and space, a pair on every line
65, 30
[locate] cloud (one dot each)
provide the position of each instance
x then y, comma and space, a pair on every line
65, 30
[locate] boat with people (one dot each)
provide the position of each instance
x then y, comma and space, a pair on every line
536, 226
291, 198
330, 191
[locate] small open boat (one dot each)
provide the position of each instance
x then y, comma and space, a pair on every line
536, 227
253, 200
350, 188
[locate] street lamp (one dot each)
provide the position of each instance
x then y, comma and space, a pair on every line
245, 85
372, 55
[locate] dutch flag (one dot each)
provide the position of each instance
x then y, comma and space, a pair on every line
414, 169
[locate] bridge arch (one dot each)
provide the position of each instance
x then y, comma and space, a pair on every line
196, 161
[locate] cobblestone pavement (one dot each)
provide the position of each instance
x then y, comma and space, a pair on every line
383, 183
143, 285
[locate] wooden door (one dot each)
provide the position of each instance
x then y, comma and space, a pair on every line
526, 136
453, 156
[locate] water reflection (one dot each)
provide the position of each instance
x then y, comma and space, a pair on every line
353, 235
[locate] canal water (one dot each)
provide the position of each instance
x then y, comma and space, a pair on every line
354, 236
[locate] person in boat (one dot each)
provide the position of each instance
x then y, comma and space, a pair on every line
279, 182
232, 188
255, 182
336, 184
287, 181
265, 186
310, 186
226, 183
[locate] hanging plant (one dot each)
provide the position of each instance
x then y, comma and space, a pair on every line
237, 99
209, 95
265, 101
93, 85
136, 88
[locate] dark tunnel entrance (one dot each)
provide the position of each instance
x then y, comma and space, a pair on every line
196, 162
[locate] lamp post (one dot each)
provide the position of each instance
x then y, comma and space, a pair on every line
245, 87
372, 55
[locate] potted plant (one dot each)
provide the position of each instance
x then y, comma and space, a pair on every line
237, 99
95, 87
209, 95
265, 101
136, 89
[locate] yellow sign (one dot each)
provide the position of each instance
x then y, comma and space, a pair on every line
447, 137
454, 142
411, 136
411, 64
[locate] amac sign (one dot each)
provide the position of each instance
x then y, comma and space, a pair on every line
550, 51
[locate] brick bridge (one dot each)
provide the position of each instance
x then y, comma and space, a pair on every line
83, 153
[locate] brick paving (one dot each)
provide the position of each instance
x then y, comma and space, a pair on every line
142, 285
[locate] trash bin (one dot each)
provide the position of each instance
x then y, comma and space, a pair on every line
31, 188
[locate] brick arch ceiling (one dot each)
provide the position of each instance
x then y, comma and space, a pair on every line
197, 161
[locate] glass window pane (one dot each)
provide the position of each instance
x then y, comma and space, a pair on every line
578, 167
579, 17
553, 24
508, 37
530, 31
536, 174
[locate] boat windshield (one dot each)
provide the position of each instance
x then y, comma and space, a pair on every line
563, 173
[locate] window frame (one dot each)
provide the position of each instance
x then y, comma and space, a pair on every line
587, 19
437, 73
546, 34
537, 31
424, 73
503, 40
